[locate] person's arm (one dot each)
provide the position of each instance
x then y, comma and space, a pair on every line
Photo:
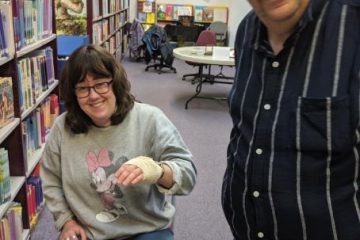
169, 148
169, 164
51, 180
141, 170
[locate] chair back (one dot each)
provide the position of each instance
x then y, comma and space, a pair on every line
220, 28
206, 38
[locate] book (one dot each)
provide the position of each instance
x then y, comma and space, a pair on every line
150, 18
142, 16
6, 228
208, 15
7, 18
6, 101
198, 13
15, 213
54, 108
11, 218
5, 192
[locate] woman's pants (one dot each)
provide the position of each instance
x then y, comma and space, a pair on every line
165, 234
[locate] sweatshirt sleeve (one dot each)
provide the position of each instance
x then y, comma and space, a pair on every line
169, 147
51, 178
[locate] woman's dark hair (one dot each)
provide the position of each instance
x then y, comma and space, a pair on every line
99, 63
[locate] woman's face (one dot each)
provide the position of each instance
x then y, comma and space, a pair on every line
100, 104
278, 11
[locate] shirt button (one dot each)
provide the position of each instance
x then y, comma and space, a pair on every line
260, 235
259, 151
256, 194
267, 106
275, 64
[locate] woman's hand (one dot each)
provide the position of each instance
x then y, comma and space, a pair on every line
129, 174
142, 170
72, 231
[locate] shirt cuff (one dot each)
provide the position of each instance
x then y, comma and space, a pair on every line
59, 223
176, 178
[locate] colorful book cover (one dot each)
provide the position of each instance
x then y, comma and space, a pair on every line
16, 212
161, 11
54, 108
6, 227
208, 15
169, 12
6, 101
142, 16
49, 65
10, 214
147, 7
150, 18
5, 192
6, 11
3, 46
71, 17
198, 13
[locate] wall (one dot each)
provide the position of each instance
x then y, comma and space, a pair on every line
237, 10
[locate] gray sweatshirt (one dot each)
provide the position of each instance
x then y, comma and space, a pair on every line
78, 173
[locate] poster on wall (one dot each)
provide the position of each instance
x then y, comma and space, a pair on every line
210, 14
71, 17
171, 12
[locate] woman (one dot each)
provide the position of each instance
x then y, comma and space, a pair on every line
109, 161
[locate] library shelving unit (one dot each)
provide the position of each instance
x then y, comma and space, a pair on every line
146, 13
26, 44
106, 24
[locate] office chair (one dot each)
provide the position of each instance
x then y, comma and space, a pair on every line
158, 48
206, 38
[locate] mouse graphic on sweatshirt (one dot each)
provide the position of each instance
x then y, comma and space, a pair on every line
102, 170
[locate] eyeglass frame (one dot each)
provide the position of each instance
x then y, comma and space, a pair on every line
94, 88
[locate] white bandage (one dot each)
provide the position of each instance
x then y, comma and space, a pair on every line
151, 170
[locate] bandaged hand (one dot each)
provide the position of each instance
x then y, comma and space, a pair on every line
139, 170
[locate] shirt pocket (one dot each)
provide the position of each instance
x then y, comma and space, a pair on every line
324, 124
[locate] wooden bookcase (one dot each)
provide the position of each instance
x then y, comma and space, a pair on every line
106, 25
146, 13
11, 136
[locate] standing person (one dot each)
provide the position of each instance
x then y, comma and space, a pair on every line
109, 161
293, 156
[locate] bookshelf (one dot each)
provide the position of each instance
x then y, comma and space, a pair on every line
106, 24
29, 60
146, 13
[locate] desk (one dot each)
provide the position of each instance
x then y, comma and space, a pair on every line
196, 54
183, 34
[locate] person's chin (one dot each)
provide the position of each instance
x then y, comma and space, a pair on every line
102, 122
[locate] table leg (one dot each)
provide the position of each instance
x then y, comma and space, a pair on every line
207, 78
198, 87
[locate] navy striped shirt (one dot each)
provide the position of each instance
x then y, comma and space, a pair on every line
293, 156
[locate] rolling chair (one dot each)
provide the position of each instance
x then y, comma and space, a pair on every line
206, 38
158, 49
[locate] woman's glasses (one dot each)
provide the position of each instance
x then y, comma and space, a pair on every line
99, 88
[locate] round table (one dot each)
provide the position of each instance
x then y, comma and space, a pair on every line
197, 54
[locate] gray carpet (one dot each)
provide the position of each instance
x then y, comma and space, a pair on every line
205, 127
